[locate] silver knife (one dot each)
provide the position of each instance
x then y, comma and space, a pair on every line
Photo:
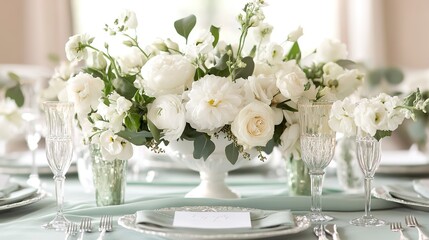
332, 230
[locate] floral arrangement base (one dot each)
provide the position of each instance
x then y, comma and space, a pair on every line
212, 185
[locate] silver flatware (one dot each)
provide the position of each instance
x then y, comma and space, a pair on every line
85, 226
106, 225
71, 230
397, 227
411, 221
331, 229
320, 232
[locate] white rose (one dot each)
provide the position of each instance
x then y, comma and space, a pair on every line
264, 88
84, 91
254, 125
341, 118
114, 147
75, 47
128, 19
263, 32
290, 144
168, 114
295, 34
213, 102
131, 61
291, 81
371, 116
330, 51
167, 74
96, 60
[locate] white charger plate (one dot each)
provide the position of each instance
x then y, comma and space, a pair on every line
129, 222
24, 200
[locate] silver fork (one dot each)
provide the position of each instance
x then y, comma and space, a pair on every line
71, 230
85, 226
106, 225
411, 221
397, 227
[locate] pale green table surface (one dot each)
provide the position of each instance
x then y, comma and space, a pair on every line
168, 189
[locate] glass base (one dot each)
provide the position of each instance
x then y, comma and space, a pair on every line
367, 221
59, 223
319, 217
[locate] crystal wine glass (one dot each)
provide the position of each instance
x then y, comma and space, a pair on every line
59, 150
368, 151
317, 144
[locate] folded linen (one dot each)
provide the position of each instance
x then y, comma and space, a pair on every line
421, 186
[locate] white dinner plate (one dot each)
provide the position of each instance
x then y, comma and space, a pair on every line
404, 197
129, 222
24, 200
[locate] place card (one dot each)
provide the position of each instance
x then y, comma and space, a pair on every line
212, 220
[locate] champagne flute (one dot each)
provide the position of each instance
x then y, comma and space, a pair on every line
317, 144
368, 151
59, 150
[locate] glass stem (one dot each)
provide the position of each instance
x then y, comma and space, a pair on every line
34, 172
368, 196
59, 192
316, 191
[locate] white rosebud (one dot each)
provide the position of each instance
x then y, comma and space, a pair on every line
76, 47
163, 110
330, 51
96, 60
167, 74
172, 46
254, 125
84, 91
295, 35
114, 147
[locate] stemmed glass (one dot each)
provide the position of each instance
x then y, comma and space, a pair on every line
368, 151
317, 144
59, 151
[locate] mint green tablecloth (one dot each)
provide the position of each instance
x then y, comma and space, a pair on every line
258, 192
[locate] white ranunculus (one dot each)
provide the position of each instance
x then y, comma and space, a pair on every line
254, 125
131, 61
96, 60
330, 50
212, 103
84, 91
75, 47
114, 147
263, 32
168, 114
371, 116
291, 81
290, 144
295, 34
264, 88
342, 117
167, 74
128, 19
273, 54
10, 119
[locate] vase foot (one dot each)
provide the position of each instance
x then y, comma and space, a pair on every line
218, 191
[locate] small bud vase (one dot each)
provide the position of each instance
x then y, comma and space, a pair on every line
298, 178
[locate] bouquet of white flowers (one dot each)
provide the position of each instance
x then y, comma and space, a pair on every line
169, 91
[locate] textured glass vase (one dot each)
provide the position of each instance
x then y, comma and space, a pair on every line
349, 175
298, 177
109, 179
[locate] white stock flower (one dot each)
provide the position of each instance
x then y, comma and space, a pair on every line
112, 115
272, 53
114, 147
168, 114
295, 34
371, 116
10, 119
213, 102
330, 50
264, 88
290, 144
167, 74
262, 32
291, 81
131, 61
96, 60
75, 47
342, 117
128, 19
254, 125
84, 91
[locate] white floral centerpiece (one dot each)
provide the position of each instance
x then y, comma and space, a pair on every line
201, 89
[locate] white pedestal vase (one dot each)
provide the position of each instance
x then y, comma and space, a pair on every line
213, 171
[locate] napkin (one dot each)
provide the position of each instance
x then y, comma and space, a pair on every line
260, 220
421, 186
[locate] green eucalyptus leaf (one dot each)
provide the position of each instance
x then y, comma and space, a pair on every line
268, 148
199, 73
374, 77
381, 134
393, 75
190, 133
14, 76
246, 71
345, 63
231, 152
154, 130
185, 25
125, 86
132, 121
136, 138
203, 147
16, 94
284, 106
215, 32
294, 53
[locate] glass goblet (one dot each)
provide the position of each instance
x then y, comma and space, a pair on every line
317, 146
59, 150
368, 151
